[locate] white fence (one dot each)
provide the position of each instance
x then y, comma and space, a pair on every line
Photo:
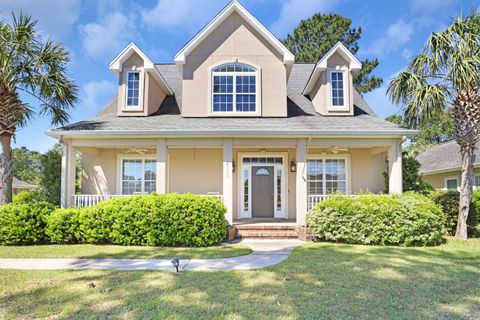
88, 200
313, 200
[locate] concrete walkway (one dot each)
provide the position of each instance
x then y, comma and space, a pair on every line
264, 253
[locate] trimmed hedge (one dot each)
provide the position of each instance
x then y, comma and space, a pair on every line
406, 220
24, 223
448, 202
153, 220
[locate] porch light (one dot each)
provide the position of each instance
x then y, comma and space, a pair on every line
176, 263
293, 166
233, 166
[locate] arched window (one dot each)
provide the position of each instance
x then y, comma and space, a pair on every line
234, 89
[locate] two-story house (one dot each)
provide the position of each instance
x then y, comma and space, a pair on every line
235, 117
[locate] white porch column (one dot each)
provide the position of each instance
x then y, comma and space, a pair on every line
162, 158
395, 179
68, 177
301, 181
228, 179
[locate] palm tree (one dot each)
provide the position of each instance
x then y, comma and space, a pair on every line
446, 74
35, 67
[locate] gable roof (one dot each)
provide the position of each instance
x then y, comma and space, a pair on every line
302, 119
355, 64
234, 6
117, 63
20, 184
443, 157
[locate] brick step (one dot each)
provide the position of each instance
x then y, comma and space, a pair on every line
282, 234
265, 227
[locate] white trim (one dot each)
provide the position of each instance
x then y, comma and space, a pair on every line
120, 158
234, 6
348, 169
141, 90
445, 179
354, 65
116, 66
258, 86
283, 214
346, 89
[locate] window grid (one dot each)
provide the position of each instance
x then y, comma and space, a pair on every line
133, 88
338, 99
138, 176
234, 89
245, 190
476, 181
326, 176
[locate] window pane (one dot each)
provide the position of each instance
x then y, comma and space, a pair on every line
337, 88
476, 181
279, 190
245, 190
133, 88
452, 184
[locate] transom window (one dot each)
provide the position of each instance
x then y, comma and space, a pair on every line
133, 89
138, 176
326, 176
234, 88
338, 89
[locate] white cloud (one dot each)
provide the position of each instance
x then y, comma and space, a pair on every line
292, 12
430, 5
184, 14
407, 54
397, 34
96, 92
55, 17
108, 36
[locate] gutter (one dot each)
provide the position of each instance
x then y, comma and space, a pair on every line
58, 134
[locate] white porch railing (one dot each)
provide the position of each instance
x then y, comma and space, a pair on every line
313, 200
88, 200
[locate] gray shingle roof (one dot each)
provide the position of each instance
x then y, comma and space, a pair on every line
302, 117
442, 157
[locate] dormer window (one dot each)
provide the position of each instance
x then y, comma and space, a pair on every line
133, 98
338, 97
235, 90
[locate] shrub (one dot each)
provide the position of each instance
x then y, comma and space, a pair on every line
24, 223
406, 220
63, 226
26, 197
448, 202
153, 220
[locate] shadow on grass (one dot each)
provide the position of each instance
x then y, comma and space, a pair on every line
318, 281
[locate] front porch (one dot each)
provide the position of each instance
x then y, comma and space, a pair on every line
258, 180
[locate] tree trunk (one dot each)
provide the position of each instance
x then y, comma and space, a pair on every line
6, 169
466, 189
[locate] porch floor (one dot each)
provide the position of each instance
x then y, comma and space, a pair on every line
265, 221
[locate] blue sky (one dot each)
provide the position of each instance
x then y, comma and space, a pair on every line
96, 31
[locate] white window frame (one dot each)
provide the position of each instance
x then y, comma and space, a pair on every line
346, 90
445, 185
258, 102
475, 176
120, 173
138, 107
323, 157
280, 214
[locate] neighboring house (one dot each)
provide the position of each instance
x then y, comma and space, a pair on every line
235, 117
19, 186
441, 166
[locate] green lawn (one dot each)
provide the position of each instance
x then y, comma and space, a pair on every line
130, 252
319, 280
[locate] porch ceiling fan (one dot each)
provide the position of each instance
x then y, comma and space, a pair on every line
136, 150
336, 149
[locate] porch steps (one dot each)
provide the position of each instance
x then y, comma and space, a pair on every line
266, 231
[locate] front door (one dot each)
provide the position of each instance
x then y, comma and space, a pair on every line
262, 191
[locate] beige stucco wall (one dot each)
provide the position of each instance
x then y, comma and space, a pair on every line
99, 169
321, 93
196, 170
437, 180
234, 40
152, 93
